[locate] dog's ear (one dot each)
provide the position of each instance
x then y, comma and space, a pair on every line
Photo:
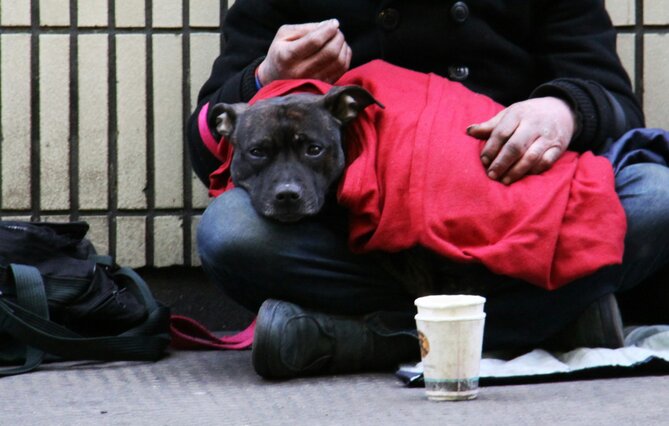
346, 102
222, 118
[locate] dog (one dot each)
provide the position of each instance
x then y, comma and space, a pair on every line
288, 151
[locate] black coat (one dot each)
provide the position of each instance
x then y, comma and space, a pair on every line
510, 50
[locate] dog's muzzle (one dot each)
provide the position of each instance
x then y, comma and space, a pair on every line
289, 204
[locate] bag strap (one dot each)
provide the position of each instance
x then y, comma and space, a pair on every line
138, 287
37, 331
188, 333
31, 294
55, 339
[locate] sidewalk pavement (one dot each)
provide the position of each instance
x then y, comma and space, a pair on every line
221, 388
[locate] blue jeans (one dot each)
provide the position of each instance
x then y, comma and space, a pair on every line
308, 263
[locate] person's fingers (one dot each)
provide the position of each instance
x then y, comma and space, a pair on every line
291, 32
531, 162
342, 65
527, 137
331, 70
550, 157
331, 73
513, 140
315, 40
483, 130
344, 59
349, 56
292, 49
497, 131
330, 63
331, 50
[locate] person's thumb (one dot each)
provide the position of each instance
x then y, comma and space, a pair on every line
483, 130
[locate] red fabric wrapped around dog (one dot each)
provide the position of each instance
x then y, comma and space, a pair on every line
414, 177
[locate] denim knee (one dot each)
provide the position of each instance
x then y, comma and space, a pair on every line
644, 193
253, 258
230, 229
235, 250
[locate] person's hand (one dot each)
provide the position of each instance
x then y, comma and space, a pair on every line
526, 138
313, 50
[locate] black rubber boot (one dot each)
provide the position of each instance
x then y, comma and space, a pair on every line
291, 341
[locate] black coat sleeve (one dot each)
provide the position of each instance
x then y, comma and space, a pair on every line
576, 46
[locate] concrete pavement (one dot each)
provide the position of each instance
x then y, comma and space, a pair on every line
221, 388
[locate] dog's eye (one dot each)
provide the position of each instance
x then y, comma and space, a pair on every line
314, 150
258, 152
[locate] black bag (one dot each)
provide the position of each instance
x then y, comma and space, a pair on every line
59, 300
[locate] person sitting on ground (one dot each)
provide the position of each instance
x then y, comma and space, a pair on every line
322, 308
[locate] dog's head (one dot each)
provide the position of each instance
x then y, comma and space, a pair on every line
288, 150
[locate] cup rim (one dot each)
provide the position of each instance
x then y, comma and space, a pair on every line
430, 318
449, 300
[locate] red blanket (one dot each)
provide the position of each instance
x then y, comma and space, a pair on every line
415, 178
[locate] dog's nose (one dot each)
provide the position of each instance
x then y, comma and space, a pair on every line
288, 193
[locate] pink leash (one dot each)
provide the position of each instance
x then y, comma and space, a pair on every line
188, 333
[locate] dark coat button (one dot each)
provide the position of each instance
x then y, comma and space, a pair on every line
460, 12
389, 19
458, 73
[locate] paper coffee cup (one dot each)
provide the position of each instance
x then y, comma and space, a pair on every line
450, 331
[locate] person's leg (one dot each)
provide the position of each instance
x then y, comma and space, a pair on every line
644, 193
308, 263
521, 315
291, 274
